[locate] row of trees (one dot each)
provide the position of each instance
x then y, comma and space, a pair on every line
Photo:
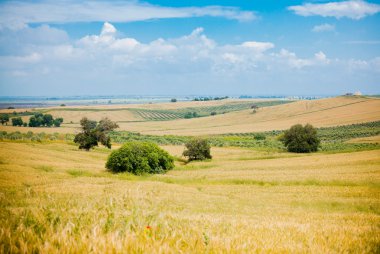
210, 98
37, 120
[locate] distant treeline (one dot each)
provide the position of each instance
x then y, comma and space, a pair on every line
210, 98
36, 120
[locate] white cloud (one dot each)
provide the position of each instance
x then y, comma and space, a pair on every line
323, 28
258, 46
16, 14
320, 57
292, 60
192, 59
353, 9
108, 29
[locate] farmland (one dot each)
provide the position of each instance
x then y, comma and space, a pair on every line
55, 198
252, 196
166, 119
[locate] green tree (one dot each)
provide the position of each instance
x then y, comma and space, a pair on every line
140, 158
301, 139
4, 119
32, 121
173, 100
17, 121
197, 149
58, 121
48, 120
92, 133
37, 120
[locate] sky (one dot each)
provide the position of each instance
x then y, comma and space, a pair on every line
208, 47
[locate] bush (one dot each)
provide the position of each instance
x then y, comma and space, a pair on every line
17, 121
301, 139
140, 158
197, 149
173, 100
259, 136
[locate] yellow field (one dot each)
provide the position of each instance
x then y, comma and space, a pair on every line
320, 113
57, 199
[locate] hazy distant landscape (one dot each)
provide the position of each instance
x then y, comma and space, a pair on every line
198, 127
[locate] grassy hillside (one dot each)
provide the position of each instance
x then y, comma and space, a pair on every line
55, 198
321, 113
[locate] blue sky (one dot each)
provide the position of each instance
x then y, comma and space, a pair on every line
161, 47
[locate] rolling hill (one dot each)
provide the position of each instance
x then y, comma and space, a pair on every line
146, 118
321, 113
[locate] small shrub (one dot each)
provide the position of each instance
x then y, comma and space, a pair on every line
173, 100
259, 136
213, 113
197, 149
188, 115
139, 158
301, 139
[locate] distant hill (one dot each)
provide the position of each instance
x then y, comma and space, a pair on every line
321, 113
239, 118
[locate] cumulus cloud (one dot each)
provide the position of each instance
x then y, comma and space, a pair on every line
353, 9
193, 59
323, 28
16, 14
290, 59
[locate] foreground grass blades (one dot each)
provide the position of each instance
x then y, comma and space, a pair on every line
57, 199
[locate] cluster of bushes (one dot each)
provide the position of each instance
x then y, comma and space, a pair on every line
139, 158
249, 140
39, 137
189, 115
210, 98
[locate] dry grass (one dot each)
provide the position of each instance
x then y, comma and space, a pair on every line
321, 113
56, 199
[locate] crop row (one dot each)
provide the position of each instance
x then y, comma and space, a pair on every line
172, 114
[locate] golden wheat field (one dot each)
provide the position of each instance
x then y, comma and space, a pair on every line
320, 113
57, 199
